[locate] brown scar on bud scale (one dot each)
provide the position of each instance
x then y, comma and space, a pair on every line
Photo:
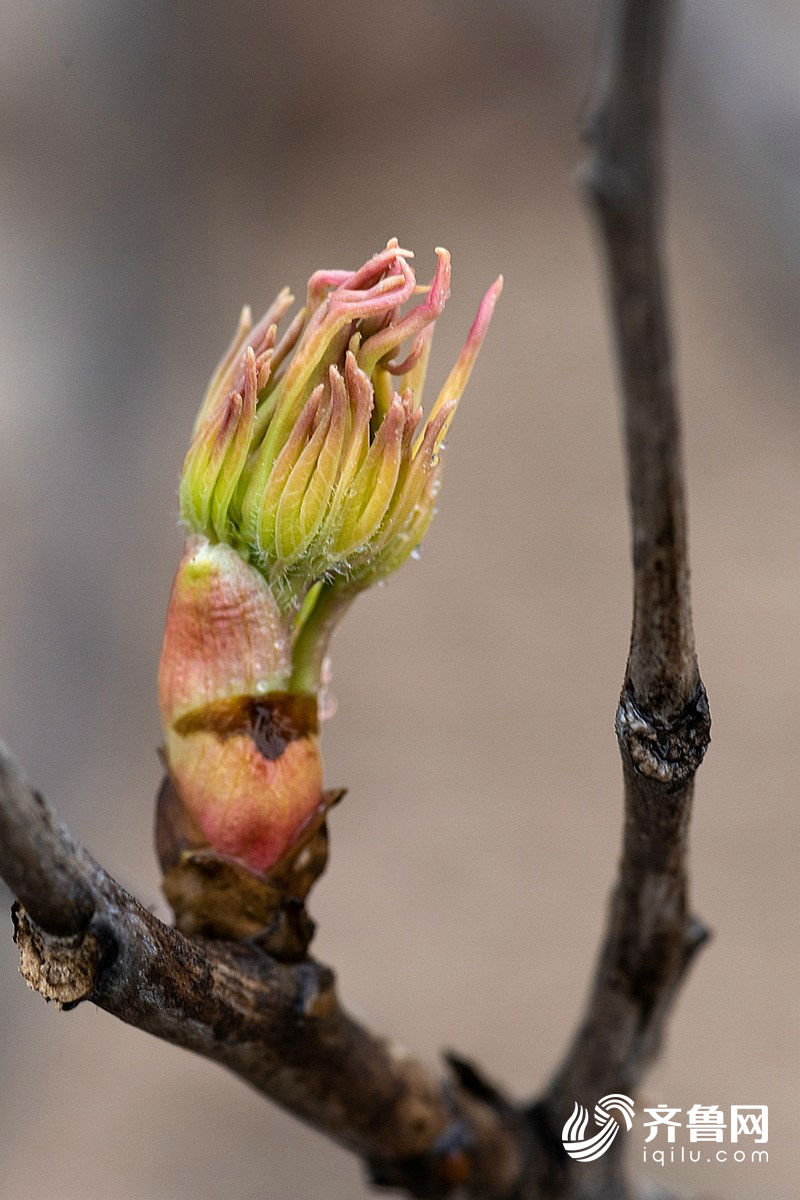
271, 721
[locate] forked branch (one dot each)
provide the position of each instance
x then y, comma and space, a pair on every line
279, 1025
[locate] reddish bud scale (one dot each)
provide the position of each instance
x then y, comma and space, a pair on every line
243, 755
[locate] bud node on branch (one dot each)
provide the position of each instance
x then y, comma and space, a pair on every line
667, 752
63, 969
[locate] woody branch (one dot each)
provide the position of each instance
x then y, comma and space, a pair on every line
662, 721
279, 1025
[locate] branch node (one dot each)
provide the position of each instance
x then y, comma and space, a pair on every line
63, 969
667, 752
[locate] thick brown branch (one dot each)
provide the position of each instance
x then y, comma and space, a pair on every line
662, 721
278, 1026
41, 863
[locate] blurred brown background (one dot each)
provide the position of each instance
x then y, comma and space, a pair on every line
162, 163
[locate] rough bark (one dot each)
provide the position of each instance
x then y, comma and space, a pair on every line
279, 1026
662, 721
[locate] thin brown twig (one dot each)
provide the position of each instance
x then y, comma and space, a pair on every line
662, 721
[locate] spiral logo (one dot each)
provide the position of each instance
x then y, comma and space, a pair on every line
573, 1135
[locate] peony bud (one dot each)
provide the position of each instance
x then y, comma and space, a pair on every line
312, 473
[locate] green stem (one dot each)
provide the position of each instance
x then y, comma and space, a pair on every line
314, 637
